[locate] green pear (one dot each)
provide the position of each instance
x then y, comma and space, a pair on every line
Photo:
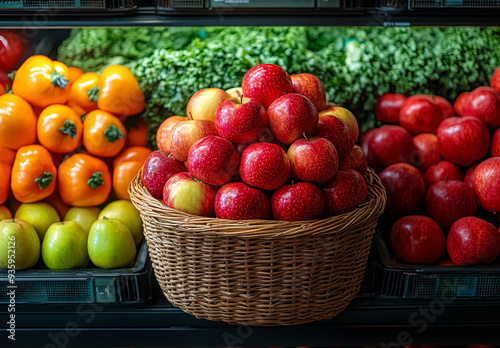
125, 212
111, 244
84, 217
40, 215
19, 242
65, 246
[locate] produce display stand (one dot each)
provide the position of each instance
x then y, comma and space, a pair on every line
369, 320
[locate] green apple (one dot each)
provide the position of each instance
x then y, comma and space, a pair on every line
40, 215
65, 246
18, 242
85, 217
5, 213
125, 212
110, 244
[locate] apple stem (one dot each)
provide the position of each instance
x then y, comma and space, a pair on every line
447, 177
241, 99
258, 61
305, 136
191, 115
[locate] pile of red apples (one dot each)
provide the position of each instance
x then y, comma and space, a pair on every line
273, 148
440, 166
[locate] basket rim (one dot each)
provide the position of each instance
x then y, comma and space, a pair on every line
186, 222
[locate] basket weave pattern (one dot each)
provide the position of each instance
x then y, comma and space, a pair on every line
259, 272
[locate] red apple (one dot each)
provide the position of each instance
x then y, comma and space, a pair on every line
365, 139
183, 192
495, 80
469, 175
346, 116
405, 188
484, 103
204, 103
310, 87
472, 240
463, 140
344, 192
388, 145
495, 144
446, 108
329, 105
290, 116
449, 201
163, 133
314, 160
158, 168
446, 262
265, 83
459, 103
486, 183
213, 160
265, 166
388, 106
427, 148
337, 132
442, 171
185, 134
420, 114
356, 161
237, 201
242, 121
298, 202
417, 239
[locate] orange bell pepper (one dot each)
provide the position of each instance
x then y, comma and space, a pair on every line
4, 211
137, 133
55, 200
59, 129
4, 182
103, 134
84, 181
132, 154
122, 177
118, 92
17, 122
79, 94
42, 81
7, 156
33, 174
74, 74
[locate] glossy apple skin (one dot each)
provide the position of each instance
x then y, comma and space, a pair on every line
469, 175
265, 83
484, 103
420, 114
310, 87
441, 171
238, 201
290, 116
417, 239
157, 169
356, 161
389, 145
405, 188
313, 160
183, 192
204, 103
185, 134
447, 109
472, 240
298, 202
346, 116
235, 92
495, 80
486, 182
265, 166
344, 192
463, 140
459, 103
495, 144
365, 139
449, 201
388, 107
213, 160
163, 133
426, 145
337, 132
242, 121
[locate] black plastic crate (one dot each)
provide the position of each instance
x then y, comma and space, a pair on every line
373, 4
395, 279
131, 285
415, 4
68, 4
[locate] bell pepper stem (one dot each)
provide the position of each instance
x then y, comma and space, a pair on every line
68, 128
44, 180
93, 94
113, 133
58, 79
95, 180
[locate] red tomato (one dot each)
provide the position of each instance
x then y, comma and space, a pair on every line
11, 50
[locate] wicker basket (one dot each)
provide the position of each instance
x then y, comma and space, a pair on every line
259, 272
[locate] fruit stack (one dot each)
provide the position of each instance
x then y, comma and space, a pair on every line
65, 153
273, 147
440, 166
